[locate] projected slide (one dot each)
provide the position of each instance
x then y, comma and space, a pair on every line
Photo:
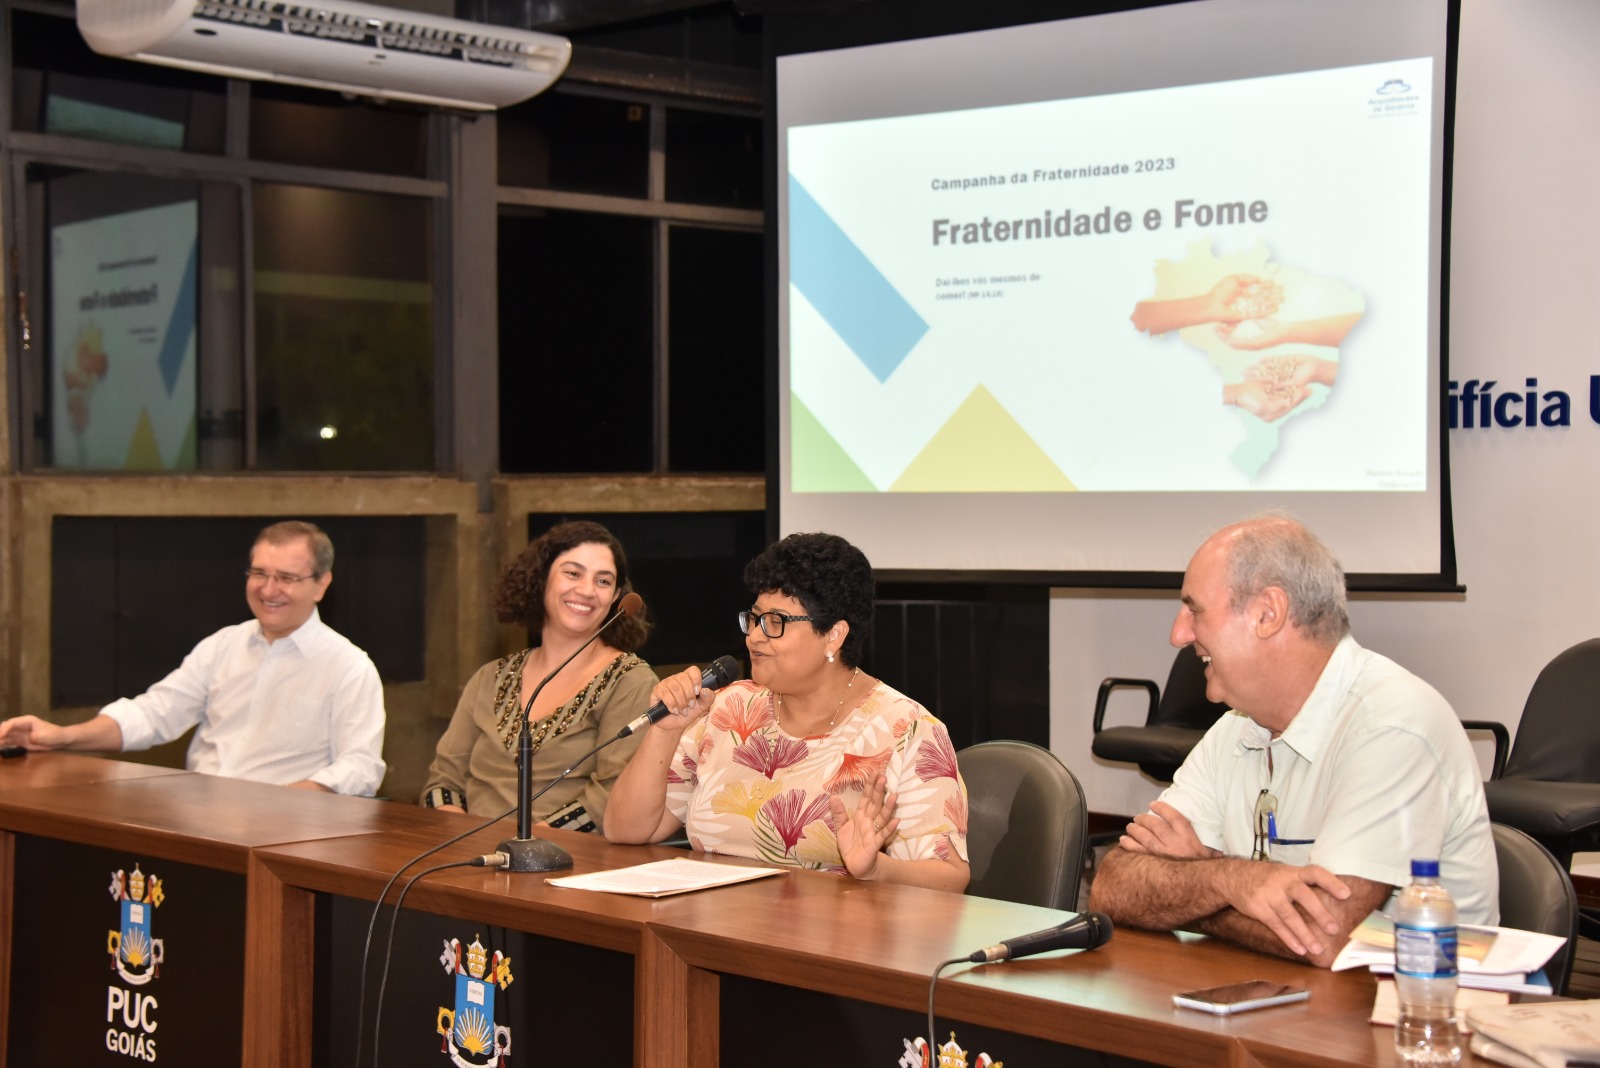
1151, 291
123, 323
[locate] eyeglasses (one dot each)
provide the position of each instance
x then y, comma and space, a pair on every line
772, 623
1267, 828
1266, 825
255, 574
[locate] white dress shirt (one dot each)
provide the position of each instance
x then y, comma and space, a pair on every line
307, 706
1373, 772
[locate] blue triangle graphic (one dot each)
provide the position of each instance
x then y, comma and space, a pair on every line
852, 295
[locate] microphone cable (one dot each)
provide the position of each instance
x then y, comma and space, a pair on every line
722, 670
377, 907
383, 985
930, 1056
366, 951
628, 604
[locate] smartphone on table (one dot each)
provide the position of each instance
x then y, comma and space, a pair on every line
1240, 997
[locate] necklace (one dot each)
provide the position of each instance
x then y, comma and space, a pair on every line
835, 717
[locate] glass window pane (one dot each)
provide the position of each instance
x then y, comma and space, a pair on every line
715, 342
579, 144
714, 158
323, 129
576, 377
112, 580
344, 330
689, 568
114, 265
62, 86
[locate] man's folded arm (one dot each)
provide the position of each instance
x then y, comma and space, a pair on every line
1235, 926
1155, 893
1301, 912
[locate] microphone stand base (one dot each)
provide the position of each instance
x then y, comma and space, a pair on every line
534, 854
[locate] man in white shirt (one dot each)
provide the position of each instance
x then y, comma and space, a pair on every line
1302, 808
282, 699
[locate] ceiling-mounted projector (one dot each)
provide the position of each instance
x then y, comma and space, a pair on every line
337, 44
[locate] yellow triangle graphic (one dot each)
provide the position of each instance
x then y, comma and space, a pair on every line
144, 454
981, 448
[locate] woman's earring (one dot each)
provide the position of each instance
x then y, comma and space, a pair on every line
830, 656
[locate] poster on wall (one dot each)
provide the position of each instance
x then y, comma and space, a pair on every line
122, 374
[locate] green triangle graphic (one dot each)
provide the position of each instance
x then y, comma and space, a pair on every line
820, 464
981, 448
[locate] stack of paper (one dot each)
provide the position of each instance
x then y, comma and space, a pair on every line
662, 878
1552, 1034
1489, 958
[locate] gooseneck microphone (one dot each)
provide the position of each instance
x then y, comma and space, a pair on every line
1088, 930
720, 672
525, 852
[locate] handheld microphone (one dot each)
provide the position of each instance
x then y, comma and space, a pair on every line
1088, 930
526, 852
720, 672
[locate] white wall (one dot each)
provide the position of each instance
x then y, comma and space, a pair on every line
1525, 265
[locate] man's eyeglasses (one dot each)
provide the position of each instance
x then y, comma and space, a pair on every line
1266, 823
771, 623
1267, 828
282, 578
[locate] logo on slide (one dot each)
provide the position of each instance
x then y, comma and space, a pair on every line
1392, 86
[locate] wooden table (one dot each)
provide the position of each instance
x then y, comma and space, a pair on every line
29, 772
801, 939
806, 931
67, 822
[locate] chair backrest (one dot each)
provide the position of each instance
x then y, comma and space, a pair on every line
1026, 824
1537, 895
1183, 700
1558, 738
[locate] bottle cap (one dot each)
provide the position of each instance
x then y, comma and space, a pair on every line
1424, 869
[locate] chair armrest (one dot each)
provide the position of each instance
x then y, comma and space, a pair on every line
1502, 740
1114, 683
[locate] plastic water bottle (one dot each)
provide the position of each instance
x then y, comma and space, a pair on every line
1425, 969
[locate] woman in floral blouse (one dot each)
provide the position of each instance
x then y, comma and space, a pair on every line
812, 762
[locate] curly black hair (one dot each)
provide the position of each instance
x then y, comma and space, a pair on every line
828, 576
519, 595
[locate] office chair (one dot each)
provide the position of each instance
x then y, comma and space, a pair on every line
1026, 824
1178, 718
1548, 786
1537, 895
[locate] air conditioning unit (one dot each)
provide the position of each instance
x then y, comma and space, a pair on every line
362, 49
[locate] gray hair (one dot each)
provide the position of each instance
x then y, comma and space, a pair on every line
1277, 550
291, 530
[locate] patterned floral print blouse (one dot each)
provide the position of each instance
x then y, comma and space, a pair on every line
745, 787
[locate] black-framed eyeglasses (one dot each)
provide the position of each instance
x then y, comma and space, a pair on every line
1267, 828
771, 623
282, 578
